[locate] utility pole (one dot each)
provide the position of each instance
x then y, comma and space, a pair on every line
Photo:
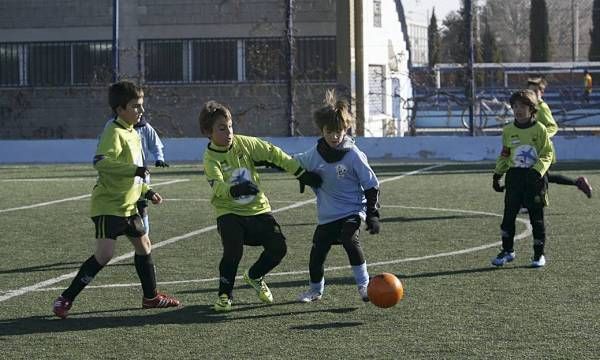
470, 93
115, 40
575, 30
290, 68
360, 67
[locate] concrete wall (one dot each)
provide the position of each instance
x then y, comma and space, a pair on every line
423, 148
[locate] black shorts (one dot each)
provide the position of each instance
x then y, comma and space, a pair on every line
111, 227
339, 231
251, 230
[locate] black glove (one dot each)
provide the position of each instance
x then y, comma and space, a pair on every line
268, 165
372, 224
496, 183
142, 172
243, 188
149, 194
161, 163
372, 221
310, 178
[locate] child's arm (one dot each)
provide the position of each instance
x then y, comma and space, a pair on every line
155, 145
368, 180
544, 116
503, 161
105, 160
545, 152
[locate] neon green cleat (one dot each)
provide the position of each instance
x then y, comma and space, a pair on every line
223, 304
264, 294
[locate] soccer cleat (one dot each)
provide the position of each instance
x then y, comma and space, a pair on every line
160, 301
61, 307
503, 258
362, 291
264, 294
223, 304
310, 296
539, 262
583, 184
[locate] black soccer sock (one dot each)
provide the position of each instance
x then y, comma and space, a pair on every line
560, 179
86, 274
144, 266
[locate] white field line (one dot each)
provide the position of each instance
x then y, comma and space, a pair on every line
77, 198
519, 236
24, 290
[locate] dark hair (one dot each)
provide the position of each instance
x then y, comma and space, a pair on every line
121, 93
210, 113
527, 97
335, 114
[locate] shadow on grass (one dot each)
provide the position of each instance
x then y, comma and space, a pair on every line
333, 325
193, 314
430, 218
54, 266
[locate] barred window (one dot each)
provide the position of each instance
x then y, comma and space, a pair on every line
377, 13
49, 64
214, 60
92, 63
265, 59
376, 89
315, 59
9, 64
163, 60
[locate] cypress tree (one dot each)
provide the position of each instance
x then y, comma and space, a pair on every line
594, 53
539, 33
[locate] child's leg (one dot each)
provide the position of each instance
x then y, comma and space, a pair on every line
144, 265
232, 239
560, 179
273, 242
142, 208
513, 199
318, 253
90, 268
536, 218
351, 243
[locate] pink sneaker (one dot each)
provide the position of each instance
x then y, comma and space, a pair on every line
160, 301
61, 307
584, 185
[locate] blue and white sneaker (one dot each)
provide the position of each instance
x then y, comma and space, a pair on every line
310, 296
539, 262
504, 257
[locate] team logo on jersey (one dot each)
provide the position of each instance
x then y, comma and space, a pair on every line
341, 170
525, 156
240, 175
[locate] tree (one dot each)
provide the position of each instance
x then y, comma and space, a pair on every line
594, 53
539, 33
433, 40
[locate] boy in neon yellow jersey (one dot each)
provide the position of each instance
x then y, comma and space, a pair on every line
525, 158
120, 184
243, 211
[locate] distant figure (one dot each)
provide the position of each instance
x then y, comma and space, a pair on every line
587, 86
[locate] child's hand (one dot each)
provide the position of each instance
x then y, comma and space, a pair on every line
496, 183
142, 172
243, 188
154, 197
311, 179
373, 226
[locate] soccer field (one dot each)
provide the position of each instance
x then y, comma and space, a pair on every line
440, 229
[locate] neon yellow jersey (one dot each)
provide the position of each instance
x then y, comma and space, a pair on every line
118, 155
544, 117
527, 147
225, 167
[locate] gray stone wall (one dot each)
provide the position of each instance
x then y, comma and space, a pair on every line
71, 113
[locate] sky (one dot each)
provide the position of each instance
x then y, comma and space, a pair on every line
420, 10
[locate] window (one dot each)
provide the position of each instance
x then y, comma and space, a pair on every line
49, 64
92, 63
163, 60
55, 63
315, 59
9, 64
376, 89
377, 13
265, 59
214, 60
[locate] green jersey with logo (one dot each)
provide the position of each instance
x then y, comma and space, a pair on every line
525, 147
118, 155
544, 117
225, 167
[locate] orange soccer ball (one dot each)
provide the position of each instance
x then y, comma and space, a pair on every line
385, 290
